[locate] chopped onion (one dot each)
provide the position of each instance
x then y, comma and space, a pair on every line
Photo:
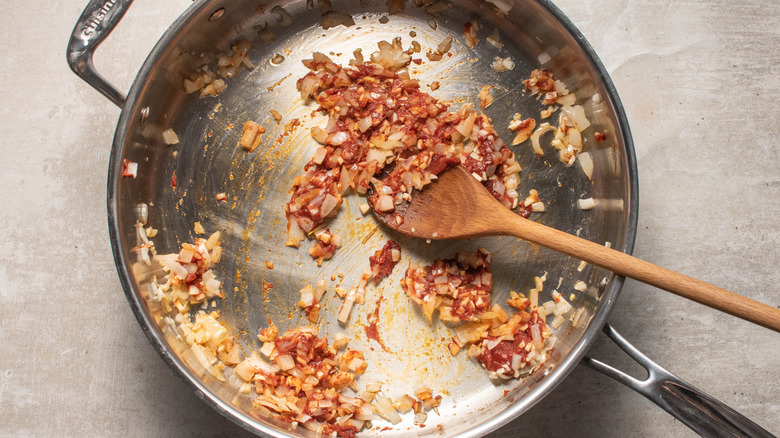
346, 308
200, 353
466, 125
544, 127
493, 40
536, 334
169, 262
312, 425
365, 123
213, 240
575, 138
586, 204
169, 137
391, 144
391, 55
445, 45
586, 162
503, 64
386, 410
213, 286
470, 332
309, 86
470, 34
319, 156
319, 134
396, 135
492, 343
216, 254
129, 168
338, 138
329, 204
517, 361
567, 100
251, 365
267, 349
576, 114
377, 155
193, 86
294, 234
345, 179
320, 290
285, 362
297, 373
384, 203
307, 296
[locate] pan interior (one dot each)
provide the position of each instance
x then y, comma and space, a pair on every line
207, 161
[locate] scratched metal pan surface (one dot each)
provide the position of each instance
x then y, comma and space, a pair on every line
208, 161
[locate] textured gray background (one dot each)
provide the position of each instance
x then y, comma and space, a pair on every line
700, 81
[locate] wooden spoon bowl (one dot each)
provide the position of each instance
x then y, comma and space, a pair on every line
457, 206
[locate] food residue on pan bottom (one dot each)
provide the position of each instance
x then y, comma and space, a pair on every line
303, 378
372, 330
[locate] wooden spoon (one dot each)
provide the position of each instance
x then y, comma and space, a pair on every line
457, 206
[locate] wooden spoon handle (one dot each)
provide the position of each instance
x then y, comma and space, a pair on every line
629, 266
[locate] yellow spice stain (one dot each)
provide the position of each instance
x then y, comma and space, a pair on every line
369, 235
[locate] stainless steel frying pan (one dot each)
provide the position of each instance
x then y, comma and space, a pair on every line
207, 161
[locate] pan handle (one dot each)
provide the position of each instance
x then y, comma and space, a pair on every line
696, 409
96, 22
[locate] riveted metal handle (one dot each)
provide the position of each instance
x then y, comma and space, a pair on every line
696, 409
95, 24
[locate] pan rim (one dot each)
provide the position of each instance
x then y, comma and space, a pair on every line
252, 424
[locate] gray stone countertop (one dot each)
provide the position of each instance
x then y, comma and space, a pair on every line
700, 82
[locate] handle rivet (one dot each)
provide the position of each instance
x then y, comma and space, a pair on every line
144, 117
